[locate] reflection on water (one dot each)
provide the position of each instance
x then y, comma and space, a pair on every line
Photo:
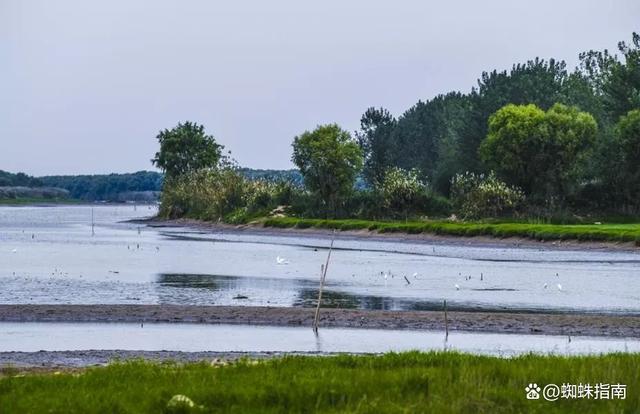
301, 292
233, 290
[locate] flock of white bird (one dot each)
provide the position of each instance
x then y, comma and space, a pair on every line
386, 275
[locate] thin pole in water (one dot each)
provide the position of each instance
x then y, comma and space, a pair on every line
323, 275
446, 322
93, 232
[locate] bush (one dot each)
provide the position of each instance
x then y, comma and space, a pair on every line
222, 194
477, 196
204, 194
401, 191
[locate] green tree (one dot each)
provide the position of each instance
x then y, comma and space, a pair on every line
536, 150
374, 138
627, 133
329, 160
615, 80
537, 82
186, 148
427, 138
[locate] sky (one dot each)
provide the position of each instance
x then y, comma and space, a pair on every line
85, 86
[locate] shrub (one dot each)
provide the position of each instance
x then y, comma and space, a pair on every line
401, 191
204, 194
477, 195
222, 194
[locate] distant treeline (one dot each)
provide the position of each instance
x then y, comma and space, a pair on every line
8, 179
138, 186
107, 187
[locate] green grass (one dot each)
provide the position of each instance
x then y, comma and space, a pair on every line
621, 232
392, 383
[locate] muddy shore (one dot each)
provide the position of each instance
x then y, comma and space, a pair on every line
486, 322
426, 238
498, 322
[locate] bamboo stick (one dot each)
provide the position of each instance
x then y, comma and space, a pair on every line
446, 322
323, 275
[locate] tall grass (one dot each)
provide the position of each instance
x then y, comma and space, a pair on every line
627, 232
409, 382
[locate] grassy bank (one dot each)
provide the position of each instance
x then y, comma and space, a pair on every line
624, 232
409, 382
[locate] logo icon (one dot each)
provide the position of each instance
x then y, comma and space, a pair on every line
533, 391
551, 392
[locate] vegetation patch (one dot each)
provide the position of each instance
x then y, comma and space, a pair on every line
623, 232
407, 382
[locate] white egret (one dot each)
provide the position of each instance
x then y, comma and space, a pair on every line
559, 286
281, 260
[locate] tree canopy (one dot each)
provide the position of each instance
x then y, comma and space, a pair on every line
537, 150
329, 160
186, 148
627, 132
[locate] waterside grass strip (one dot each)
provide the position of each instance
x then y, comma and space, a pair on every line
435, 382
627, 232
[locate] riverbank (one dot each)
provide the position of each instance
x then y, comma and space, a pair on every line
406, 382
343, 232
596, 232
571, 324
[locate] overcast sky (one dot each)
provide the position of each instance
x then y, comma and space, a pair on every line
86, 85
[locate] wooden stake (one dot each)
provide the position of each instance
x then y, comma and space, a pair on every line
323, 275
446, 322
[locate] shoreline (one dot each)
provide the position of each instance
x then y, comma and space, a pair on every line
572, 324
372, 235
46, 361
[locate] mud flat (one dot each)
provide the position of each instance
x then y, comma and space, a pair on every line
488, 322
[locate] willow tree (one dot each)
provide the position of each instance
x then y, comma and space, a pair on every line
536, 150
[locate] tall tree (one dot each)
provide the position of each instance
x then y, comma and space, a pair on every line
537, 82
427, 138
537, 150
329, 160
616, 80
186, 148
374, 138
627, 132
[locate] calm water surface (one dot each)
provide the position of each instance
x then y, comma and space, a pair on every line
33, 337
49, 255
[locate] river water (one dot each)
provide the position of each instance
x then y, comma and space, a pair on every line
51, 255
34, 337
